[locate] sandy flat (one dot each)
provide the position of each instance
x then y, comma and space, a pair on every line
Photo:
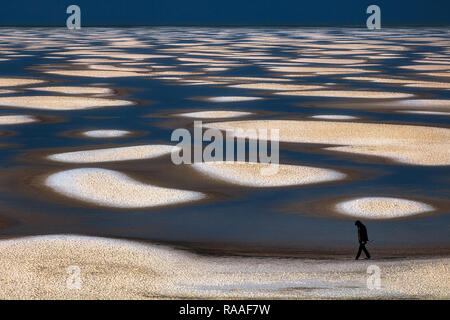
114, 189
43, 268
215, 114
232, 99
74, 90
252, 175
382, 208
106, 133
348, 94
14, 82
16, 119
409, 144
114, 154
60, 102
276, 86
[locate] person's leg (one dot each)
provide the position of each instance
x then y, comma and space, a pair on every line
366, 252
359, 251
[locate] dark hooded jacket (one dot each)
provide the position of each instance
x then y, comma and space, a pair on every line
362, 232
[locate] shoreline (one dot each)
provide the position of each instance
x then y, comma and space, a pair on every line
251, 250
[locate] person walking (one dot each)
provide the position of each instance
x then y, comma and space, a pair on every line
362, 238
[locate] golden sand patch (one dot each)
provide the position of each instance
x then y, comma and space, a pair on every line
348, 94
15, 82
276, 86
60, 102
215, 114
409, 144
381, 208
121, 269
252, 174
16, 119
114, 189
114, 154
74, 90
